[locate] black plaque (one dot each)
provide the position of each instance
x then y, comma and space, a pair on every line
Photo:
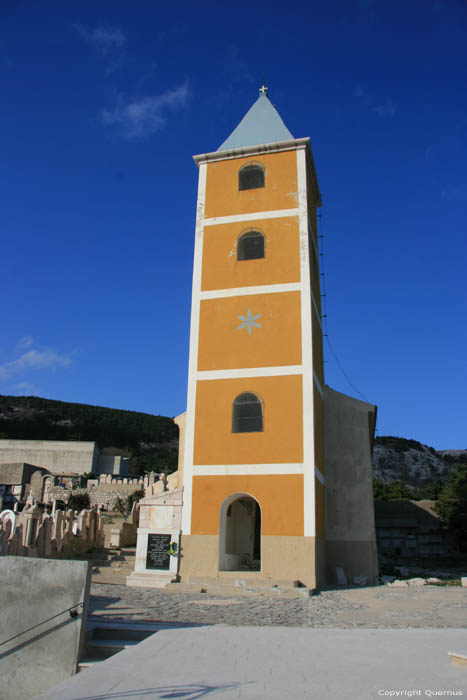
158, 556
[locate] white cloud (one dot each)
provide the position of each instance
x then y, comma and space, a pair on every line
24, 343
26, 389
104, 39
109, 42
142, 116
32, 359
385, 109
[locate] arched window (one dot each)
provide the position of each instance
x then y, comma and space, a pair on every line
247, 414
250, 246
250, 177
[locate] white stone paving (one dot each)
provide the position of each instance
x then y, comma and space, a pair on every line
276, 663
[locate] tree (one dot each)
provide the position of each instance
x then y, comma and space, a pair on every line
429, 492
394, 491
78, 501
452, 503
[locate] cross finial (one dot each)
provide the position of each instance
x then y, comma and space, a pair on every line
263, 90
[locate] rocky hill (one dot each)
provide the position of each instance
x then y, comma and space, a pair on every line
411, 462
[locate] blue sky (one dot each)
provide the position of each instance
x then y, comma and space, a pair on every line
102, 106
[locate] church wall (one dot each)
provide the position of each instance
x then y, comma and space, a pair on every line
223, 345
281, 264
317, 349
319, 509
281, 441
280, 497
280, 192
350, 525
318, 430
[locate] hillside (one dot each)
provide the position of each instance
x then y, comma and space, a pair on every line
150, 441
411, 462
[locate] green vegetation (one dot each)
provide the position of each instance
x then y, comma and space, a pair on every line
393, 491
451, 505
78, 501
150, 441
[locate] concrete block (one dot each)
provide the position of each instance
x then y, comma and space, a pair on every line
38, 593
464, 581
416, 582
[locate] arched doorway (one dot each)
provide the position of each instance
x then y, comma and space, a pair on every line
240, 534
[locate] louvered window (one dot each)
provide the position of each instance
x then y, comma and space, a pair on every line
250, 246
251, 177
247, 414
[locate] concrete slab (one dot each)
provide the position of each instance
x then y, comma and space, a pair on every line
43, 605
275, 663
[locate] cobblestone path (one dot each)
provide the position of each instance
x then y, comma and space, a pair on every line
374, 607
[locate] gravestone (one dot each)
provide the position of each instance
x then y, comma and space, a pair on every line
158, 540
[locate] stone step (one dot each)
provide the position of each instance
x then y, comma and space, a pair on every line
104, 648
114, 563
109, 578
240, 588
113, 633
237, 578
88, 662
112, 570
106, 640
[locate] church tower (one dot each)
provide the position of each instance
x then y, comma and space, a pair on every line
253, 473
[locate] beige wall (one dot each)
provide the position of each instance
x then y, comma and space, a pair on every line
284, 558
55, 455
63, 456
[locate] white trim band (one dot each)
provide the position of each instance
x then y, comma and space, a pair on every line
238, 218
249, 372
246, 469
244, 291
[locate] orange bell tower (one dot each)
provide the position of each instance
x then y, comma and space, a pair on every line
253, 473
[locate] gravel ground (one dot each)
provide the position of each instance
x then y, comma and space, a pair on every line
370, 607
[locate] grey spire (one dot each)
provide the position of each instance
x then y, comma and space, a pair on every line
261, 124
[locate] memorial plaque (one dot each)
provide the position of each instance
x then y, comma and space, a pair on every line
158, 556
